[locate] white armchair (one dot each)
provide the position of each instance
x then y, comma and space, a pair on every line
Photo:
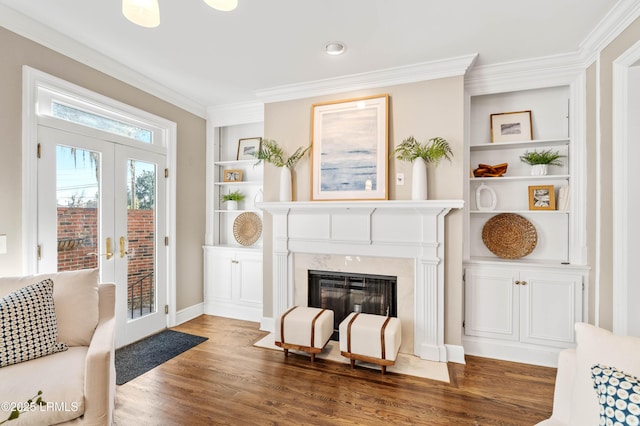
575, 401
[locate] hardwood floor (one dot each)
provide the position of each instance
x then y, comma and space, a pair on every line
226, 380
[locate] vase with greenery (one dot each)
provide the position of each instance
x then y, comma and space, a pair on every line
420, 155
540, 160
232, 199
271, 152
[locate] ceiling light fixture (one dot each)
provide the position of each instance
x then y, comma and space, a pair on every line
334, 48
223, 5
146, 13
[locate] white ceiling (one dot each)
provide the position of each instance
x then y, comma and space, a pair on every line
218, 58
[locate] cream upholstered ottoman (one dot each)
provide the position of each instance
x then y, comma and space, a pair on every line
370, 338
304, 329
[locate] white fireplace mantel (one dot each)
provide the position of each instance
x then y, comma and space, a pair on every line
405, 229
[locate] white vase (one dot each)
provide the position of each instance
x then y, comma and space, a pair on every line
493, 199
539, 170
286, 192
232, 205
419, 180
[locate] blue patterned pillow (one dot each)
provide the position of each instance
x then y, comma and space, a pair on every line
28, 324
618, 395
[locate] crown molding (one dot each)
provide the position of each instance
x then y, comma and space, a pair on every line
547, 71
611, 26
368, 80
54, 40
239, 113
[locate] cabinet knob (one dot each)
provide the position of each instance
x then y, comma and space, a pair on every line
523, 282
517, 282
235, 261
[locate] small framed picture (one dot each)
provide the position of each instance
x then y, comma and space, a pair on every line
232, 175
542, 197
511, 126
248, 148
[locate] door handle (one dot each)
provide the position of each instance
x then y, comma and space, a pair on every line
123, 247
108, 254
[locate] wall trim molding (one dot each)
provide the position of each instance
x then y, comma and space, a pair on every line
533, 73
369, 80
187, 314
620, 140
608, 29
58, 42
238, 113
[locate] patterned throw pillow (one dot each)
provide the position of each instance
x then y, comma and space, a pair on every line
618, 395
28, 325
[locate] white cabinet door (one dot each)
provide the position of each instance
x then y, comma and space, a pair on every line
233, 283
491, 299
550, 304
219, 275
248, 286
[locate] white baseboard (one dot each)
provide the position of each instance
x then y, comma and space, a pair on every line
189, 313
232, 310
455, 353
545, 356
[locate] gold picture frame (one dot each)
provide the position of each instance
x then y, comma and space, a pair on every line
542, 197
511, 126
232, 175
248, 148
349, 152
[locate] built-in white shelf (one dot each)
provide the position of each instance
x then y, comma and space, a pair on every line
523, 178
537, 143
235, 163
238, 183
521, 212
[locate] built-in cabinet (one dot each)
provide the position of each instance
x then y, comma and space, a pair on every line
234, 282
524, 308
232, 268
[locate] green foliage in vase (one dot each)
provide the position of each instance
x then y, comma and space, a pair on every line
272, 153
15, 413
232, 196
547, 156
432, 152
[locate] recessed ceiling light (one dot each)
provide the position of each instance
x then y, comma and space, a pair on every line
334, 48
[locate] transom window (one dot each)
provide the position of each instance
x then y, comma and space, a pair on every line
85, 112
99, 122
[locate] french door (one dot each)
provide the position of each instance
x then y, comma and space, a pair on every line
101, 204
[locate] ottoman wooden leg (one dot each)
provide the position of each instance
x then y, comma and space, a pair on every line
286, 353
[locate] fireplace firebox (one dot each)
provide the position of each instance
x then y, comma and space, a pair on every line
344, 293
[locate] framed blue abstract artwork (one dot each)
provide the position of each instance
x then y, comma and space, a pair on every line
350, 149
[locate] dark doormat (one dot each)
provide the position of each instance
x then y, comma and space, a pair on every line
141, 356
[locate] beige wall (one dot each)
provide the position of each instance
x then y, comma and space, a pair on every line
425, 110
623, 42
17, 51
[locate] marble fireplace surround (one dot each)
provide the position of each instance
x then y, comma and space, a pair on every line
413, 230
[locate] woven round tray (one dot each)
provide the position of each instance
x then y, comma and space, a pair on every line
509, 236
247, 228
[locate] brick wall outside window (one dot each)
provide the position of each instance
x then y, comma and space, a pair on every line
77, 233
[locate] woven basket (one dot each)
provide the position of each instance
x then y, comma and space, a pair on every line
509, 236
247, 228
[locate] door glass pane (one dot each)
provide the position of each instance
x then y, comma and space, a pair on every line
77, 195
99, 122
141, 232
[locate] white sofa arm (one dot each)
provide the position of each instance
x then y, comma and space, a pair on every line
100, 374
563, 390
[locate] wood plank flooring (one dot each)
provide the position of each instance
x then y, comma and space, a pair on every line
226, 380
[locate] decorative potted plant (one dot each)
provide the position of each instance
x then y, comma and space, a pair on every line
539, 160
430, 152
232, 199
272, 153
